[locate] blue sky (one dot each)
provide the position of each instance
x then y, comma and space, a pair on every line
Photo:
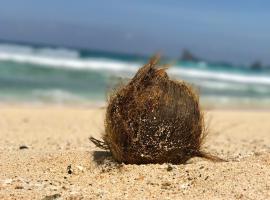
235, 31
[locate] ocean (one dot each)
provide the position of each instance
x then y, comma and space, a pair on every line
45, 74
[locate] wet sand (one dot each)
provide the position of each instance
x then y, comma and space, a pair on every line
45, 154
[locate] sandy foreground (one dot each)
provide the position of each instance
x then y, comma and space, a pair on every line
59, 162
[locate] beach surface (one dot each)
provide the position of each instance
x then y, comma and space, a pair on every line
45, 154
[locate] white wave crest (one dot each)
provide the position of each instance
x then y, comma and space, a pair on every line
231, 86
95, 64
28, 50
221, 76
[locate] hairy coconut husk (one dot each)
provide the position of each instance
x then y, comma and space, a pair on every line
153, 119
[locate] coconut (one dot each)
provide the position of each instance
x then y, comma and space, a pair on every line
153, 119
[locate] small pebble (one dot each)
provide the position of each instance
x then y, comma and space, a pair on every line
23, 147
165, 185
169, 168
18, 187
80, 168
69, 170
52, 197
7, 181
184, 186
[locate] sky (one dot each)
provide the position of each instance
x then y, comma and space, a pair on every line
232, 31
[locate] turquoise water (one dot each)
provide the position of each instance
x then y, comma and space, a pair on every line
28, 82
58, 75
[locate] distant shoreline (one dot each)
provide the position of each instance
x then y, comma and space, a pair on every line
103, 105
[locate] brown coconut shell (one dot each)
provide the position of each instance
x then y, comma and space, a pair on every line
153, 119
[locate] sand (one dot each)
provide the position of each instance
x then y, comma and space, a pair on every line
56, 160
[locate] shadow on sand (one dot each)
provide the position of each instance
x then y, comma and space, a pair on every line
102, 157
